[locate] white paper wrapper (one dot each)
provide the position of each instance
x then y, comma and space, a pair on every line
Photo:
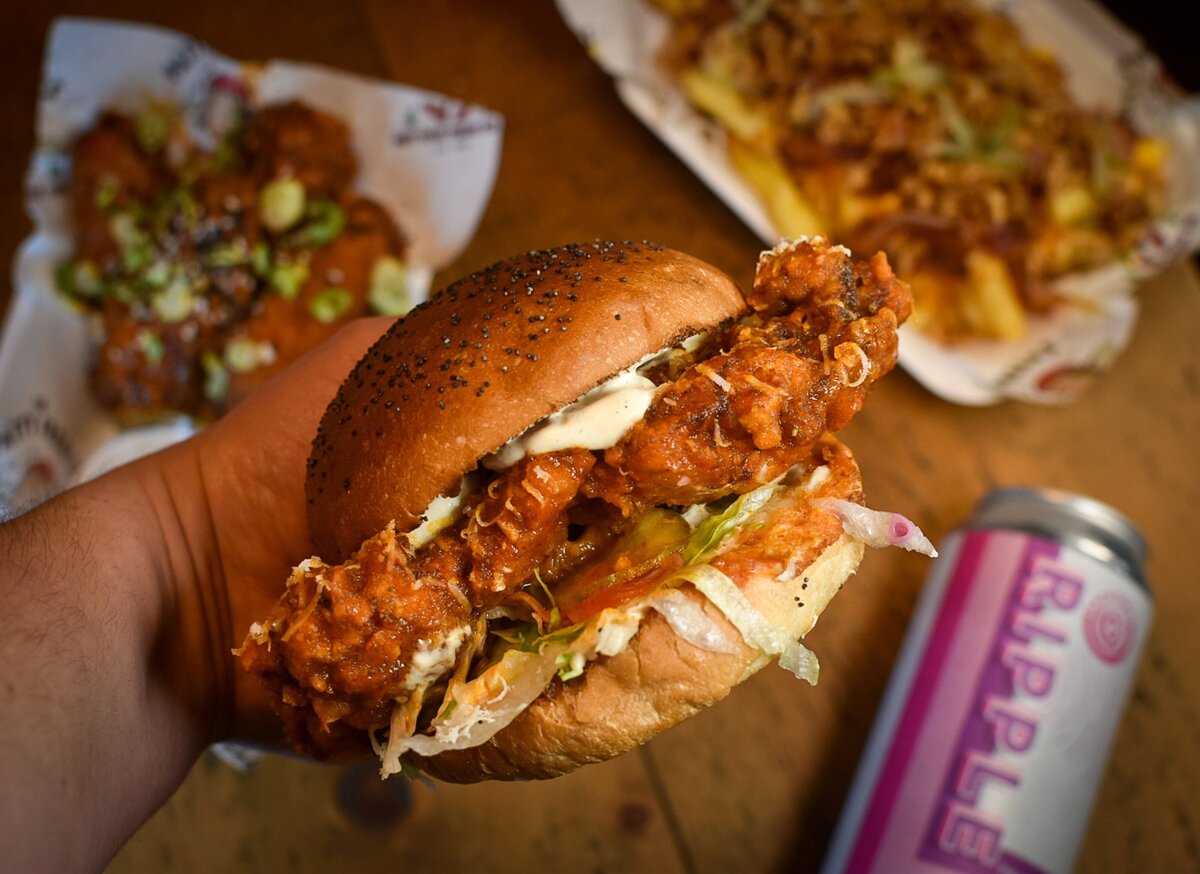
429, 159
1104, 65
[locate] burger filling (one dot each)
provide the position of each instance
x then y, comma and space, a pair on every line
705, 466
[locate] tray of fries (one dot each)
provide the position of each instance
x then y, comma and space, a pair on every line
1024, 164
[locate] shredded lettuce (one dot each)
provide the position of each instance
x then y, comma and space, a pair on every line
754, 627
483, 706
525, 636
878, 528
688, 620
571, 665
555, 615
706, 539
615, 628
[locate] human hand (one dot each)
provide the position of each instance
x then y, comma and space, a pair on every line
123, 599
240, 486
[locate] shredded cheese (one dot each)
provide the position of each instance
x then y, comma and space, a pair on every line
721, 382
853, 350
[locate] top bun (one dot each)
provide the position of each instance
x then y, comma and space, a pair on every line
485, 359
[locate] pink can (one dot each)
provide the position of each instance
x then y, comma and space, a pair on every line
999, 717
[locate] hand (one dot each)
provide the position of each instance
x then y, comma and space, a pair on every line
242, 483
122, 601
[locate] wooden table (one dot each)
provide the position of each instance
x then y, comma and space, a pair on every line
756, 783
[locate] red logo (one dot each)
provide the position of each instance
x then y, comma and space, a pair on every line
1110, 627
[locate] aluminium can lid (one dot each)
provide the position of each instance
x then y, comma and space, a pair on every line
1084, 523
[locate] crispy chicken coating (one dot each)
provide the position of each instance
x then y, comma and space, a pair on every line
823, 331
521, 520
345, 642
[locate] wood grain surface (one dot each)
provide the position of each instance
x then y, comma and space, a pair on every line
754, 784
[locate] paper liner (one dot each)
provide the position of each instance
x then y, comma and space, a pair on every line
1106, 67
431, 160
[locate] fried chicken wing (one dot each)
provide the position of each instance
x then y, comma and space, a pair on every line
145, 365
285, 323
345, 642
109, 171
824, 331
206, 270
294, 140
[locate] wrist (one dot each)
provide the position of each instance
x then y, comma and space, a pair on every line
195, 621
95, 654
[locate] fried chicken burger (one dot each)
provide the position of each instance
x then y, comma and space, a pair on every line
575, 498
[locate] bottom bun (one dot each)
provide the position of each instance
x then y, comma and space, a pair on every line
660, 678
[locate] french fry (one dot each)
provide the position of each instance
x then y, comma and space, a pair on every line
855, 209
791, 213
990, 302
723, 103
1072, 205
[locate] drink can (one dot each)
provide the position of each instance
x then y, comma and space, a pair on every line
1000, 713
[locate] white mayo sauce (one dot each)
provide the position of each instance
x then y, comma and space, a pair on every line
598, 420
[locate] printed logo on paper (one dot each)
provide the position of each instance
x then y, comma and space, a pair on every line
437, 119
36, 459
